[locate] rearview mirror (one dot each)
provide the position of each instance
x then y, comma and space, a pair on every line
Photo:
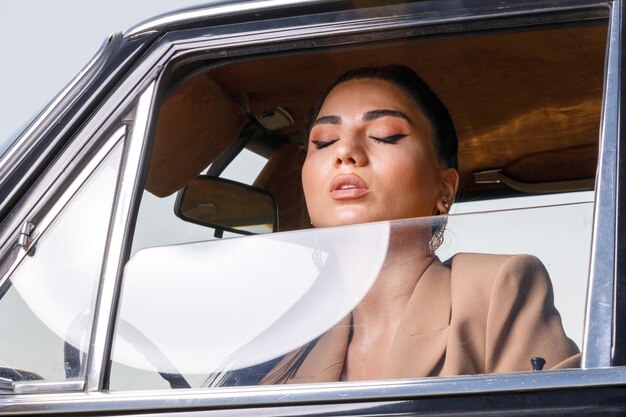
227, 205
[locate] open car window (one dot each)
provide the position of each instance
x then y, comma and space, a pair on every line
202, 312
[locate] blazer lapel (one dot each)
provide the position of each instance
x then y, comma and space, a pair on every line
419, 347
325, 361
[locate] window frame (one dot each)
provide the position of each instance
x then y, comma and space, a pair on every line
185, 45
40, 229
598, 340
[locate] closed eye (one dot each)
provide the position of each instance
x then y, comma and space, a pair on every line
320, 144
391, 140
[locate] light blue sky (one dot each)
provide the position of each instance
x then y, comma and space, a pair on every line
45, 43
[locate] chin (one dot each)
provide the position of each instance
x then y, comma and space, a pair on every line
344, 219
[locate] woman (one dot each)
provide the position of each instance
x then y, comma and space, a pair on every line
382, 146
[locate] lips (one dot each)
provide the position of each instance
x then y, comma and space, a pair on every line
348, 187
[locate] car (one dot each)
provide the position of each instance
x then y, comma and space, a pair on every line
156, 255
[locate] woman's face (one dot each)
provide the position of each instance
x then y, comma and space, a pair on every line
371, 157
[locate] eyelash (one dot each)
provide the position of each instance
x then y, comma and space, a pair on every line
387, 140
320, 144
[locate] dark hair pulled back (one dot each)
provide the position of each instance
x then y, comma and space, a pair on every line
425, 99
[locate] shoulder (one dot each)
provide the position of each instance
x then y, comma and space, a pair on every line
487, 273
488, 262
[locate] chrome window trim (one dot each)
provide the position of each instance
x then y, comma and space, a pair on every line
104, 315
223, 38
53, 213
39, 387
191, 15
318, 394
25, 136
597, 334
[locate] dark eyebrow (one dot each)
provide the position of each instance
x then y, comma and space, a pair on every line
327, 120
375, 114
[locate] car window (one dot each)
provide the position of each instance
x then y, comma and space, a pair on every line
47, 302
508, 270
236, 311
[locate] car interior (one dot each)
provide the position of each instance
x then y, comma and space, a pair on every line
526, 106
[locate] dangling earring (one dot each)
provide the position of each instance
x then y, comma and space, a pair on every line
437, 239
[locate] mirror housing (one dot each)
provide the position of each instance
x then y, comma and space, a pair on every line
227, 206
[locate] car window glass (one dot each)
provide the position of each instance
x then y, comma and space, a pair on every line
227, 312
245, 168
46, 305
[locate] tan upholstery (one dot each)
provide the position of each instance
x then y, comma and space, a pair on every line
281, 177
195, 125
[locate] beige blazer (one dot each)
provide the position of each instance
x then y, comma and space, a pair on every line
484, 314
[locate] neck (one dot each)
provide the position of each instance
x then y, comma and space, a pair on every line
385, 303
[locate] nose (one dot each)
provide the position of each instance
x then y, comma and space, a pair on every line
350, 151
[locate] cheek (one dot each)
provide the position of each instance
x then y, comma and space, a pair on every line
311, 176
412, 180
405, 167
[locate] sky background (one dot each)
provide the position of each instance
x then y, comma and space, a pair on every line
45, 43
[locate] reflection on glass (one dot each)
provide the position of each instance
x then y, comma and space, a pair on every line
281, 308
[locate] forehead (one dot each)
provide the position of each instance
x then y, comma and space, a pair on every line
367, 94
